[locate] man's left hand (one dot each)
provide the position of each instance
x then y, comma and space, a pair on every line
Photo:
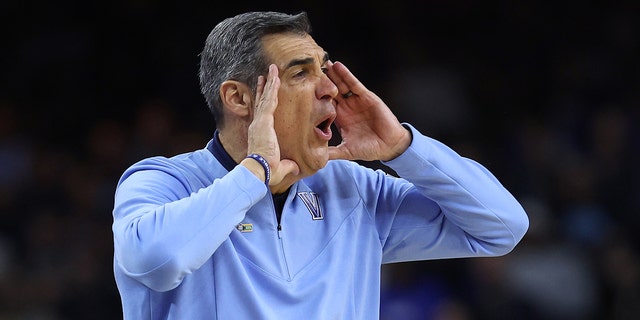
369, 130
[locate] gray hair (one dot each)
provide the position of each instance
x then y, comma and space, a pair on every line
233, 51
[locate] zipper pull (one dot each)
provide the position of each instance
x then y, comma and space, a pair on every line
279, 231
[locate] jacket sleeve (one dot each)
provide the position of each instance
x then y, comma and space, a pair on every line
164, 230
451, 207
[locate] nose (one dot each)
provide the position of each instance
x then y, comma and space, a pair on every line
326, 88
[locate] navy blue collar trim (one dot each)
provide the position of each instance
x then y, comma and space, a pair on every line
218, 151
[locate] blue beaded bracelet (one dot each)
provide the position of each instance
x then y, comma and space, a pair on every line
265, 165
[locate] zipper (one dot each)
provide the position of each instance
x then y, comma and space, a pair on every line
284, 257
279, 234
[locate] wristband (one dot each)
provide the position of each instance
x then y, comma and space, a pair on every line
265, 166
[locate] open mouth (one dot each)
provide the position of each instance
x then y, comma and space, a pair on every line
324, 127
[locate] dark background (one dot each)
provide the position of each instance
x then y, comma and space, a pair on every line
546, 95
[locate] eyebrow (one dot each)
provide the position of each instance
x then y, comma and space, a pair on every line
309, 60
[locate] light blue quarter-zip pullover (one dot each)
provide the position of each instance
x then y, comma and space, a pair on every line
197, 237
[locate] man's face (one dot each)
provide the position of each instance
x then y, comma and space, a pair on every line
305, 100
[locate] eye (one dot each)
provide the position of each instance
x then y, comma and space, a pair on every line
301, 73
324, 70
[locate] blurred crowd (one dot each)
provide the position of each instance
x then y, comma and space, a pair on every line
547, 96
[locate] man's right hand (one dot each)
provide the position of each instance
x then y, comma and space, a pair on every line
262, 137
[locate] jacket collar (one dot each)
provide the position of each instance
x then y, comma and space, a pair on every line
218, 151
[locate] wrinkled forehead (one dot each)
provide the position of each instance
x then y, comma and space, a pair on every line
283, 48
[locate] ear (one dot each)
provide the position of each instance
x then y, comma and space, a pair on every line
236, 97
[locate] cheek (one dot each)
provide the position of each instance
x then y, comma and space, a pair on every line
287, 128
292, 116
291, 111
284, 118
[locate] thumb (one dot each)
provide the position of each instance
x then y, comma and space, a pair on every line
338, 152
285, 167
289, 167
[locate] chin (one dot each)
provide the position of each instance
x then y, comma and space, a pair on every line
316, 164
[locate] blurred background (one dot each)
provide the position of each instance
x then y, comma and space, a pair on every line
544, 94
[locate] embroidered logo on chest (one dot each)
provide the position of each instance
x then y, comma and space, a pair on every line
310, 200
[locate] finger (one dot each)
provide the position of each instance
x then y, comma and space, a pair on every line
336, 79
347, 80
272, 86
268, 99
260, 87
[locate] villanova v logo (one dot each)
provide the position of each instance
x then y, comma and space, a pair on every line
310, 200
